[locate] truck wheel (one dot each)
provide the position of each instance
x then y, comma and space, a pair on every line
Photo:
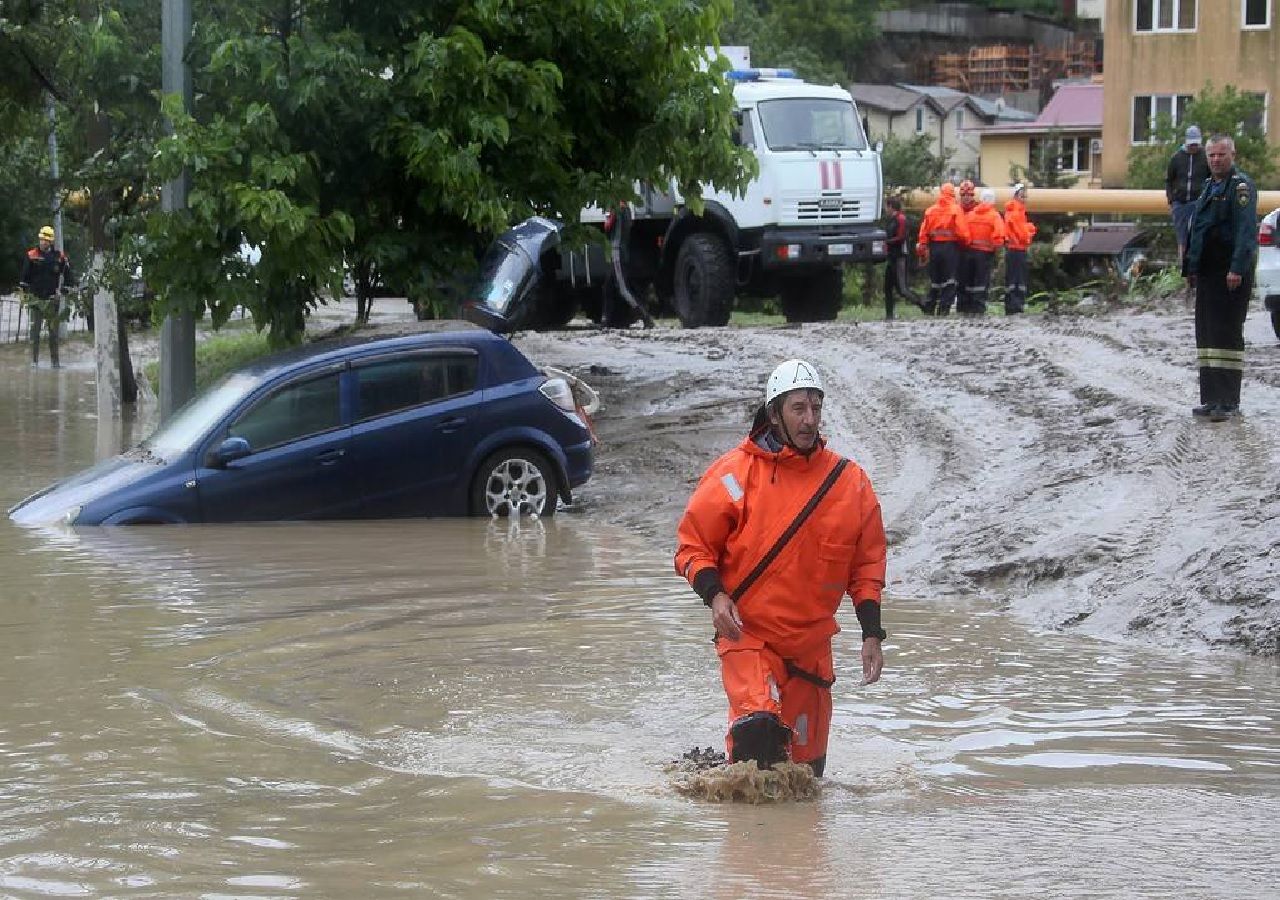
817, 298
556, 306
704, 281
1275, 321
615, 312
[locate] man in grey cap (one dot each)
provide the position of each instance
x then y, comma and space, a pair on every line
1183, 181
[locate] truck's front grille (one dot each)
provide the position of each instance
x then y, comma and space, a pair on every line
825, 210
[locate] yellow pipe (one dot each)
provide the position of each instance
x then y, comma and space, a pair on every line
1120, 201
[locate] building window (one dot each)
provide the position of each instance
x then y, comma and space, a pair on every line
1069, 154
919, 119
1164, 15
1257, 13
1074, 155
1152, 110
959, 119
1258, 121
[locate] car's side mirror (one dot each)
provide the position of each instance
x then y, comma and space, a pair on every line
229, 451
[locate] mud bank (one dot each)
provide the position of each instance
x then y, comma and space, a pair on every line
1047, 465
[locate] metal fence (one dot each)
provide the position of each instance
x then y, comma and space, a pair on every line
15, 320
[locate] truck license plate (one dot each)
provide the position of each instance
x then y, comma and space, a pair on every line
840, 250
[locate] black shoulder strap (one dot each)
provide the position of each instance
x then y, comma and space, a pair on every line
787, 535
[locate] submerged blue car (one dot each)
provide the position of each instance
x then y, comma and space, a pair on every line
452, 421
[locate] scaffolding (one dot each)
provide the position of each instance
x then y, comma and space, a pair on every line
997, 69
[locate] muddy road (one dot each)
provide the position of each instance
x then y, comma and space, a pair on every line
1046, 465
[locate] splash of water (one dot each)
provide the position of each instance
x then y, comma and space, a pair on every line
706, 775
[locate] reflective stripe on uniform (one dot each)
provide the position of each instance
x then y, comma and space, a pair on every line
731, 485
1217, 358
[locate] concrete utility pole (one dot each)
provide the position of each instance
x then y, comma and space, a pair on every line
178, 333
56, 201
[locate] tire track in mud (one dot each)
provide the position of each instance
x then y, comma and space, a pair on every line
1049, 464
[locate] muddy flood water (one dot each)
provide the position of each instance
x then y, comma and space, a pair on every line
480, 709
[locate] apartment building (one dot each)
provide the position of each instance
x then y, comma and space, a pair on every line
1158, 54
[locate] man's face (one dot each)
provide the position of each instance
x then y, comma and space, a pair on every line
1220, 156
1193, 149
45, 243
800, 414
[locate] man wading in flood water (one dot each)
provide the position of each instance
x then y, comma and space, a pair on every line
775, 534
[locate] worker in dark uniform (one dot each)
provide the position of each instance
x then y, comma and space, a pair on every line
1221, 252
45, 272
895, 264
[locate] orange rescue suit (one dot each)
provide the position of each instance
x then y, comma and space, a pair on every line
944, 220
743, 503
1019, 230
986, 229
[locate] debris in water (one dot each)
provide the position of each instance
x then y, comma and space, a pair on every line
705, 774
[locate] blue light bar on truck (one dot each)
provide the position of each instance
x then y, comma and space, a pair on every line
759, 74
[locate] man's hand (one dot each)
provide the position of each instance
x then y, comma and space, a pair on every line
1233, 281
872, 660
724, 616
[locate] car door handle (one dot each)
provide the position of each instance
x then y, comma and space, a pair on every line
329, 457
450, 425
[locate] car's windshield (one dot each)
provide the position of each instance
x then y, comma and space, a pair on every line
503, 274
811, 123
194, 420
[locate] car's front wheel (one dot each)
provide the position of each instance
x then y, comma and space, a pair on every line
515, 481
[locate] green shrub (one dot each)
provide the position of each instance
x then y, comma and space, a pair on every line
218, 355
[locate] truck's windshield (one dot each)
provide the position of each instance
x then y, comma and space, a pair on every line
811, 123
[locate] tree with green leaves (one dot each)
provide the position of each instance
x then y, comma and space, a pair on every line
1228, 111
910, 163
402, 138
99, 64
821, 39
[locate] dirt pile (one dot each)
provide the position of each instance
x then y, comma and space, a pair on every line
1047, 464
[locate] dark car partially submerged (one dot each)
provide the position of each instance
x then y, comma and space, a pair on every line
453, 421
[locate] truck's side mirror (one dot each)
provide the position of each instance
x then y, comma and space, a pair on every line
737, 128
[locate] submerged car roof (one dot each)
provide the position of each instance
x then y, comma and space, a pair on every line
443, 332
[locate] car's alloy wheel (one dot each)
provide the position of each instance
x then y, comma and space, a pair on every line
513, 483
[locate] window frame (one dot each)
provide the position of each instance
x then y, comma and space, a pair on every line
414, 355
1176, 7
1244, 17
920, 118
274, 390
1266, 109
1175, 116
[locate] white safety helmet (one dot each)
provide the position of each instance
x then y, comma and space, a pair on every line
792, 375
1019, 190
987, 196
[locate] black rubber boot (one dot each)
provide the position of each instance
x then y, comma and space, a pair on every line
760, 736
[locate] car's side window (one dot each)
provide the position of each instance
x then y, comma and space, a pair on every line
393, 385
295, 411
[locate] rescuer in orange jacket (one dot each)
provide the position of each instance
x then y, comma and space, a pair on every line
943, 232
966, 193
986, 236
1018, 234
773, 600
